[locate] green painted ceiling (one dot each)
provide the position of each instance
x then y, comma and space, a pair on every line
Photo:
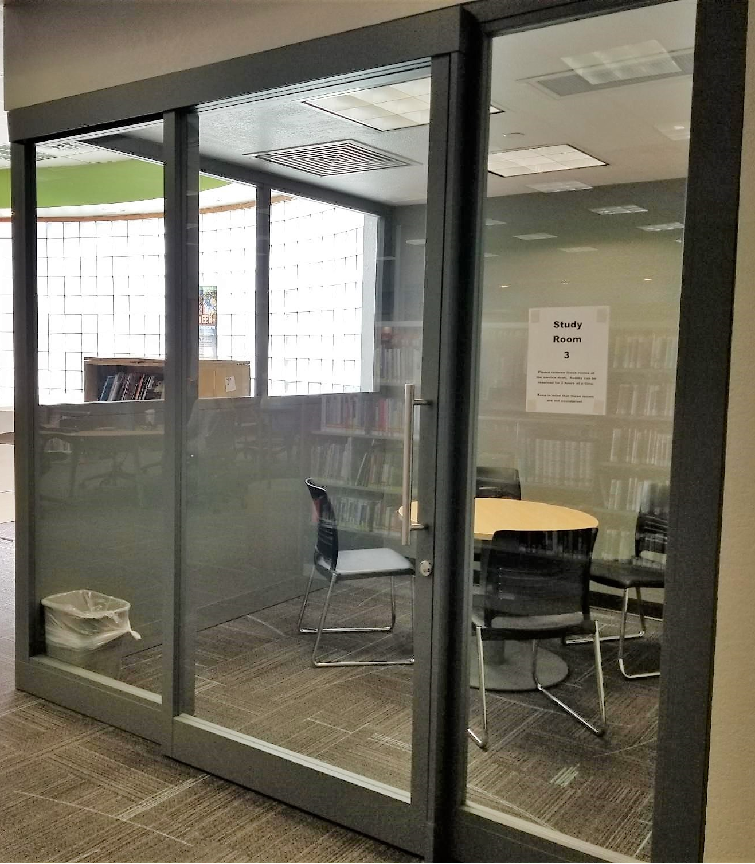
100, 183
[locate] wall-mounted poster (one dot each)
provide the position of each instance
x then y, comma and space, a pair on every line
208, 323
567, 360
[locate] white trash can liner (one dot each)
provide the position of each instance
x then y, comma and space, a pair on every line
85, 620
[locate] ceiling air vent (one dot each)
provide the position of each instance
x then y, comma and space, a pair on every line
634, 71
332, 157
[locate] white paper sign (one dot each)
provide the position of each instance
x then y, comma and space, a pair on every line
230, 384
567, 360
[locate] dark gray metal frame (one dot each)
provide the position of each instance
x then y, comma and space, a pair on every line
454, 38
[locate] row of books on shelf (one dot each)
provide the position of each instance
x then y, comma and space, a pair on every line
647, 351
131, 386
379, 467
626, 493
374, 467
362, 413
403, 363
364, 515
559, 462
640, 447
645, 400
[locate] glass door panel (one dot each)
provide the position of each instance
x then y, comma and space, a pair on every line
100, 545
300, 444
582, 275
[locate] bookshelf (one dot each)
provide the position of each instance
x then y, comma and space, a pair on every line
601, 464
357, 453
357, 450
117, 379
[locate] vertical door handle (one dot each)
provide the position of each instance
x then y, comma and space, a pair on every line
407, 526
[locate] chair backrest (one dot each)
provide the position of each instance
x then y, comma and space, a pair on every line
498, 483
537, 573
651, 531
326, 547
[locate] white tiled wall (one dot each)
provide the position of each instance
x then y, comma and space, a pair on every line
101, 292
316, 278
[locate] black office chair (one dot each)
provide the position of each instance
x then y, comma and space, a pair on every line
535, 585
645, 570
498, 483
341, 566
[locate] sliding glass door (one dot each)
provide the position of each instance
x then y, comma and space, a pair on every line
581, 282
300, 629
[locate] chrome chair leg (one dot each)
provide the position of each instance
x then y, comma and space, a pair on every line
623, 637
581, 640
304, 602
599, 675
393, 604
481, 740
321, 628
596, 730
388, 629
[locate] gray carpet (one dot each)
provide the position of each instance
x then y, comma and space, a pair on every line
254, 676
77, 790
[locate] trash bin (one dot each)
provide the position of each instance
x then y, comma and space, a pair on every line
87, 629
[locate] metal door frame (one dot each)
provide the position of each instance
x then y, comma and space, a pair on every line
455, 39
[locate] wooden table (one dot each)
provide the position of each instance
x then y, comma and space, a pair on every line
507, 664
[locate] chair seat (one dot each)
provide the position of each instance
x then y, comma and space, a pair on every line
534, 626
627, 574
363, 563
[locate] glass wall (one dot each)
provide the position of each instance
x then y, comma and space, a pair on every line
315, 448
582, 274
100, 546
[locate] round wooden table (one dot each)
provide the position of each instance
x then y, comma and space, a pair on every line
507, 664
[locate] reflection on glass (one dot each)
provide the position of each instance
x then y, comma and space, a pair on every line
99, 464
560, 248
299, 481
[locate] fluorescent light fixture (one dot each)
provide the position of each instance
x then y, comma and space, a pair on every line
534, 236
566, 186
674, 131
490, 222
394, 106
539, 160
578, 249
616, 211
420, 241
624, 63
489, 255
662, 226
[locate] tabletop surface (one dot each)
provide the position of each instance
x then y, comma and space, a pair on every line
508, 514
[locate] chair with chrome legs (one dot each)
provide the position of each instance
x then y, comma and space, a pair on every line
534, 586
341, 566
646, 570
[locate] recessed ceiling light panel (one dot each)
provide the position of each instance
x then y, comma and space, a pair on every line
332, 157
539, 236
539, 160
393, 106
624, 63
566, 186
578, 249
618, 210
662, 226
